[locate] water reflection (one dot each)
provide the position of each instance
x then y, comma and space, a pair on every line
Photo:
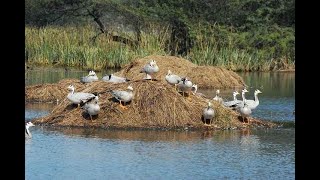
88, 153
36, 110
245, 137
41, 75
271, 84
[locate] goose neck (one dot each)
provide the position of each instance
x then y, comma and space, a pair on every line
28, 132
256, 97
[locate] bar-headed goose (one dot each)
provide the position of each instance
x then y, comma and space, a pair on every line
243, 107
252, 104
78, 97
27, 131
185, 85
208, 113
123, 96
92, 107
172, 78
194, 90
89, 78
114, 79
217, 97
234, 102
150, 68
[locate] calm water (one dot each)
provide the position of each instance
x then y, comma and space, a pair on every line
77, 153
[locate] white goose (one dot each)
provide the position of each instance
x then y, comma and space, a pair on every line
217, 97
92, 107
208, 113
185, 85
27, 132
78, 97
243, 108
89, 78
254, 103
114, 79
194, 90
150, 68
234, 102
123, 96
172, 78
147, 77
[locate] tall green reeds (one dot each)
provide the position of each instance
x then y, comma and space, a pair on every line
75, 47
216, 46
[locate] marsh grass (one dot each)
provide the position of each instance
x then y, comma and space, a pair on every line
74, 47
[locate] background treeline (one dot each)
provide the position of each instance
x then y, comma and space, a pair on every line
241, 35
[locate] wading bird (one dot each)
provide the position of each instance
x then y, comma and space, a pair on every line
252, 104
27, 132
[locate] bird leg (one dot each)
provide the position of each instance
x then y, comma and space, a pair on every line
205, 123
151, 78
90, 117
122, 106
188, 97
243, 120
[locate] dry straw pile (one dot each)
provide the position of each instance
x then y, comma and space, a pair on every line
155, 104
204, 76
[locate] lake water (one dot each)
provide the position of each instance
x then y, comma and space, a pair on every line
77, 153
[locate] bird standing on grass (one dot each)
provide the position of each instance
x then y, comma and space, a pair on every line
150, 68
208, 113
92, 107
185, 86
123, 96
194, 90
217, 97
172, 78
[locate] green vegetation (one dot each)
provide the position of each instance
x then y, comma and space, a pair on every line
249, 35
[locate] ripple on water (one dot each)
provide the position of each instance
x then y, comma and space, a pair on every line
254, 154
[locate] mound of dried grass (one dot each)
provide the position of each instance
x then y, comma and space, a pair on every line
155, 105
51, 92
204, 76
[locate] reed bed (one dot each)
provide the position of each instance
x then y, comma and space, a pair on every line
74, 46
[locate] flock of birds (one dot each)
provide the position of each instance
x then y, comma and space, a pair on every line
89, 102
